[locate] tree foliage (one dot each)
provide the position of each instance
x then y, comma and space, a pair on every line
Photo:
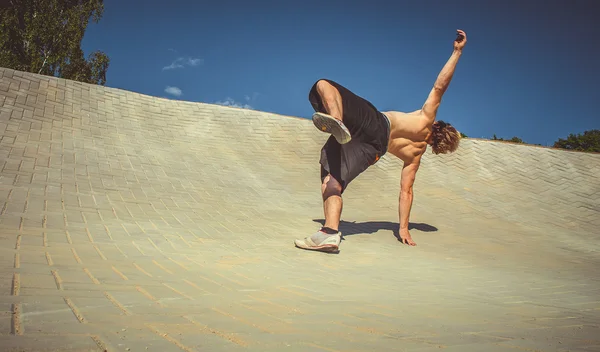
44, 36
513, 139
516, 140
589, 141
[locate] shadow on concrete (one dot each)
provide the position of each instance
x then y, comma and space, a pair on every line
368, 227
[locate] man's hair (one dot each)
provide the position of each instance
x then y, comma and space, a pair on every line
444, 138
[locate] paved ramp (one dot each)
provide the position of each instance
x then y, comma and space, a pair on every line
135, 223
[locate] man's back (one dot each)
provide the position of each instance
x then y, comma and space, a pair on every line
408, 134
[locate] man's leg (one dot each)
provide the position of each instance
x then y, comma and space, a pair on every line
327, 239
330, 98
359, 117
340, 163
327, 102
331, 191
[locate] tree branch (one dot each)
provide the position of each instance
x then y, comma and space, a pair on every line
44, 64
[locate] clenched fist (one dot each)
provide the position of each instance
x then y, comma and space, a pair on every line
461, 40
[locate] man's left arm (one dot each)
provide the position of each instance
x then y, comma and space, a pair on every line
407, 180
434, 99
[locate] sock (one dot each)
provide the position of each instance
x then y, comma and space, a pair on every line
328, 230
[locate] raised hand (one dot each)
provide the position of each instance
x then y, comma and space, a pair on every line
461, 39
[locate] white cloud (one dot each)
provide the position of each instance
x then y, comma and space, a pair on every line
236, 104
173, 91
181, 62
172, 66
231, 102
194, 62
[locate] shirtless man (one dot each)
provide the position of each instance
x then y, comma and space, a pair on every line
360, 135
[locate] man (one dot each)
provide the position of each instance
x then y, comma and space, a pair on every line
360, 135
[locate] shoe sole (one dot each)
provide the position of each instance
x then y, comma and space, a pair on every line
327, 248
324, 249
328, 124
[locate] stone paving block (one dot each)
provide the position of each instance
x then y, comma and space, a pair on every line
62, 258
37, 257
139, 340
552, 342
136, 301
30, 282
492, 347
52, 316
46, 343
57, 238
6, 322
225, 324
196, 337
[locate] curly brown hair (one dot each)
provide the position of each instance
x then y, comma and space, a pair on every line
444, 138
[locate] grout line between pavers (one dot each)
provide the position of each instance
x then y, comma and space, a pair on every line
16, 325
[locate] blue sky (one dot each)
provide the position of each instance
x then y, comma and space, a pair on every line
530, 69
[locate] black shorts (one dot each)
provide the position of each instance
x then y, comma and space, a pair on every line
369, 129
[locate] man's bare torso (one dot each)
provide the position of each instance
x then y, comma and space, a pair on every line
408, 134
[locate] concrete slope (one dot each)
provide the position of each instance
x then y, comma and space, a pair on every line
130, 221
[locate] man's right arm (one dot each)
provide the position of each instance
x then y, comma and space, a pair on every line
407, 180
442, 82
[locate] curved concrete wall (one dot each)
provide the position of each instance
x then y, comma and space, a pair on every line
136, 150
117, 197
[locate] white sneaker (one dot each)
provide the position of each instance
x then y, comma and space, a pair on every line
329, 124
321, 241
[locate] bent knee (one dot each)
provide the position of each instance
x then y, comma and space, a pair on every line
331, 186
323, 86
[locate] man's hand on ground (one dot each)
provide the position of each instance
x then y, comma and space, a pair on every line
406, 238
461, 40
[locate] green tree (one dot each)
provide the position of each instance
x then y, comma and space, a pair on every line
44, 36
516, 140
589, 141
513, 139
